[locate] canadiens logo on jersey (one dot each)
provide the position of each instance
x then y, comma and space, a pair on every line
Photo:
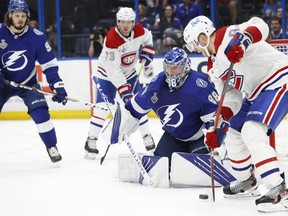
128, 58
170, 115
14, 60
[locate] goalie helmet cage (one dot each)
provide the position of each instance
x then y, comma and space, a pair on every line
279, 139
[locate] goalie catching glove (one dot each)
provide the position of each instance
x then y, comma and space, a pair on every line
60, 91
237, 47
214, 138
122, 123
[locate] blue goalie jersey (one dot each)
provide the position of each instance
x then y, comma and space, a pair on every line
19, 53
183, 112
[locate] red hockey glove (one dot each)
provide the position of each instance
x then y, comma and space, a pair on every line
214, 139
147, 53
125, 92
237, 47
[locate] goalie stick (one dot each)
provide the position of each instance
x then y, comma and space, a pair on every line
150, 181
218, 113
18, 85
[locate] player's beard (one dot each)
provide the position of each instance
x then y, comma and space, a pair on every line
19, 27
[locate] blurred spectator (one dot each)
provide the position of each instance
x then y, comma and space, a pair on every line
157, 10
270, 9
33, 24
279, 14
147, 22
51, 34
96, 43
171, 28
187, 11
276, 28
233, 9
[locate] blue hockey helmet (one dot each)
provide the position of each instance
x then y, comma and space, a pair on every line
18, 5
176, 66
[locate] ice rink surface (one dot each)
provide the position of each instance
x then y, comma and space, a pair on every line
31, 185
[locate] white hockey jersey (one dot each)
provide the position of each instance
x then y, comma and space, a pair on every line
262, 67
119, 55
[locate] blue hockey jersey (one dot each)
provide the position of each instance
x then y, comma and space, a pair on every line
182, 112
19, 53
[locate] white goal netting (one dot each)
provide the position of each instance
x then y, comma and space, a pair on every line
280, 139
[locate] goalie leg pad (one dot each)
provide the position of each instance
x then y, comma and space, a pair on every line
155, 166
121, 123
197, 171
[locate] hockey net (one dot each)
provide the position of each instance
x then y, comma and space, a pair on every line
279, 140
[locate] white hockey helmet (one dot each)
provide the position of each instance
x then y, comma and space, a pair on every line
196, 26
126, 13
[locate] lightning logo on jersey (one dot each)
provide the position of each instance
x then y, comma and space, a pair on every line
14, 60
170, 110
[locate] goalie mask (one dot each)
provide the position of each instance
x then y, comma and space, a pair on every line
18, 5
197, 26
176, 66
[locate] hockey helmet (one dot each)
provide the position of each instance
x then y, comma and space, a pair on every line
176, 66
196, 26
18, 5
126, 13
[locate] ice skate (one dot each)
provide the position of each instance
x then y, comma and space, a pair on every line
275, 200
54, 154
149, 142
242, 189
91, 150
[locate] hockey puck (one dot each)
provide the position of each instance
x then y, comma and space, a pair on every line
203, 196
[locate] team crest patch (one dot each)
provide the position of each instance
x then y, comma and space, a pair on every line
154, 98
201, 83
3, 44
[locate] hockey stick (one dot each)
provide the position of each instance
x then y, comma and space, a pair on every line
138, 75
150, 181
218, 113
18, 85
108, 106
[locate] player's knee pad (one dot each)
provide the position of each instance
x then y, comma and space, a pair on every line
234, 142
254, 134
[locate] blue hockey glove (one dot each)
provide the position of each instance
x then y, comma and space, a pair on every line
125, 92
60, 91
147, 54
237, 47
214, 139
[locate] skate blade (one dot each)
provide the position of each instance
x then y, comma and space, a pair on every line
270, 208
90, 156
245, 195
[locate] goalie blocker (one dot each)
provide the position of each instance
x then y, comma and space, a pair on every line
187, 170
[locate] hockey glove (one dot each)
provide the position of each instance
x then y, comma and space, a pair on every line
147, 53
125, 92
237, 47
60, 91
148, 71
214, 139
